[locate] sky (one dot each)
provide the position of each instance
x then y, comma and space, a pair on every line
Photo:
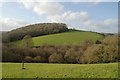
83, 15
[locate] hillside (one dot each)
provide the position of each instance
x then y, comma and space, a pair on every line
65, 38
34, 30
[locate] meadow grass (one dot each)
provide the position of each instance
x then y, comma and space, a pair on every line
47, 70
66, 38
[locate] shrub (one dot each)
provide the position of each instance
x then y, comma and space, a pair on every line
28, 59
94, 54
111, 53
37, 59
70, 56
56, 58
100, 53
111, 40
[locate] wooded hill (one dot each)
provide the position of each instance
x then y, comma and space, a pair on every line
34, 30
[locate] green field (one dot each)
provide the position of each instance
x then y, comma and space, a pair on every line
44, 70
66, 38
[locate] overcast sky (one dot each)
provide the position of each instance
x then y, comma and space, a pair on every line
91, 16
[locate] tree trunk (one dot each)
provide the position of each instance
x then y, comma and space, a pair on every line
23, 67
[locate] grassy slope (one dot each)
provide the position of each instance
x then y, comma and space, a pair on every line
74, 37
33, 70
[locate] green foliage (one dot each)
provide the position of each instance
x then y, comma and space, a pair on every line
40, 70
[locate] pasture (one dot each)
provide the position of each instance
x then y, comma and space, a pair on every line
66, 38
45, 70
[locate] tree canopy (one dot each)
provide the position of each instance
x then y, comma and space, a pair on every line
34, 30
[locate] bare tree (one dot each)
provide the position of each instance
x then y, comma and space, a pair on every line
27, 42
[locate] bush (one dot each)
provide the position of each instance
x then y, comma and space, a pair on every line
111, 53
111, 40
28, 59
100, 53
37, 59
94, 54
56, 58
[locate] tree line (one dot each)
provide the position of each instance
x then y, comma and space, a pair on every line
88, 52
